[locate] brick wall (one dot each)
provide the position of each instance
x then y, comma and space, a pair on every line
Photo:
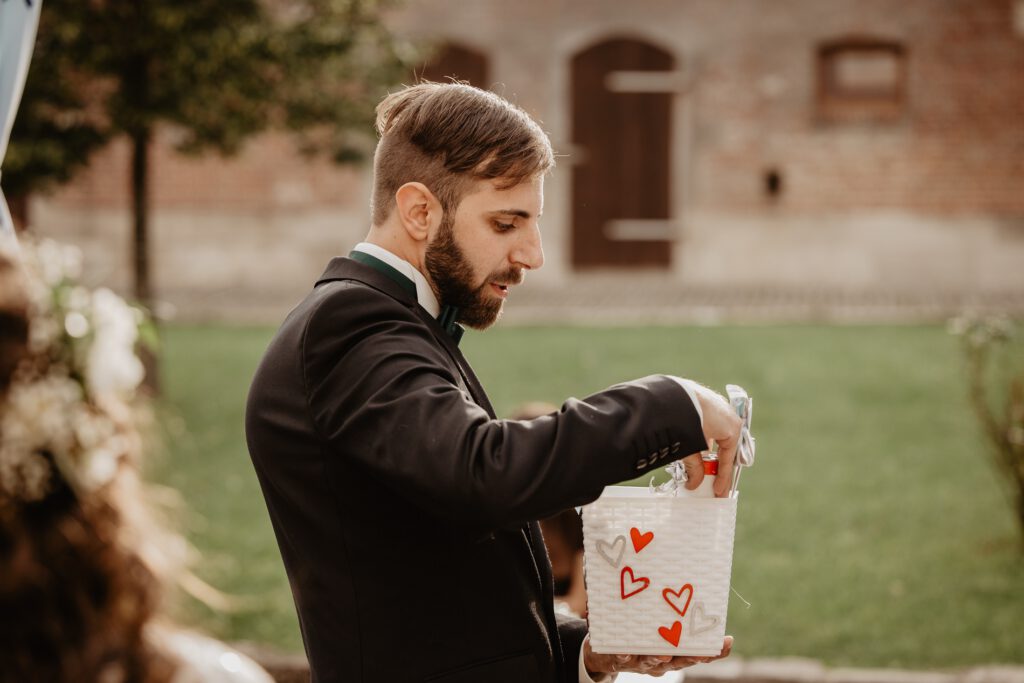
267, 174
931, 199
958, 148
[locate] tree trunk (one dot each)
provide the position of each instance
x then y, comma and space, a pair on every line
140, 248
140, 215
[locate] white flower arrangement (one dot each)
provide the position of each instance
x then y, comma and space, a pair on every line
68, 402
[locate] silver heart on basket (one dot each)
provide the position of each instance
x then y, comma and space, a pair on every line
701, 622
612, 552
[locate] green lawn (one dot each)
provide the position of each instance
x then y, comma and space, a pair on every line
872, 531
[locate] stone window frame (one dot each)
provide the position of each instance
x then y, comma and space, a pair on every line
835, 103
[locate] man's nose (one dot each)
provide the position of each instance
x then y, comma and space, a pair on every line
529, 251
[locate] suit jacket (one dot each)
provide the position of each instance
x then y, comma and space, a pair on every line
403, 508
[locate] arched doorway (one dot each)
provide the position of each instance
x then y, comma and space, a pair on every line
622, 142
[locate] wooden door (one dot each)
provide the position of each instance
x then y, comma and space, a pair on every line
622, 142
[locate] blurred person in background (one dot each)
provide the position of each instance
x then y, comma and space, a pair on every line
563, 538
83, 561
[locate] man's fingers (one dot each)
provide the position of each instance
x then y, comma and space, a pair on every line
723, 425
726, 465
726, 648
645, 664
694, 466
652, 665
729, 427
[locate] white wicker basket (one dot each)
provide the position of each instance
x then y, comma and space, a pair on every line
658, 571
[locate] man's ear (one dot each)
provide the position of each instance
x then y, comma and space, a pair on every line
419, 212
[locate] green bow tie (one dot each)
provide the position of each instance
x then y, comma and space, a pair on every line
449, 321
449, 314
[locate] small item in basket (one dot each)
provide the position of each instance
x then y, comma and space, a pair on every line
676, 484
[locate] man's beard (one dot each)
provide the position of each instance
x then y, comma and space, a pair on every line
453, 276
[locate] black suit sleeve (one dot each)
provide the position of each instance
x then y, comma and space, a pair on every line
382, 391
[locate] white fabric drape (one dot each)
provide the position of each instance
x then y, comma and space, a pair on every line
18, 22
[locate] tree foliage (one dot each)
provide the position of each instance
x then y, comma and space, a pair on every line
57, 127
215, 71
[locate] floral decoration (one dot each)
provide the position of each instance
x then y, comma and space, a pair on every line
69, 406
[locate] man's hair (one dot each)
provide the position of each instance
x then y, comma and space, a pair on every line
448, 135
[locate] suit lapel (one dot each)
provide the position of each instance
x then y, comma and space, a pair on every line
529, 534
476, 389
342, 268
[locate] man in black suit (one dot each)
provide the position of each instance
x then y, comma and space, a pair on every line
404, 509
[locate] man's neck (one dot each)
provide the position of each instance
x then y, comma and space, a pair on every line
385, 238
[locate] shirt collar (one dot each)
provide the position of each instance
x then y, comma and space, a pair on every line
424, 294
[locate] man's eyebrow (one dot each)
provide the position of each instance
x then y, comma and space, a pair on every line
512, 212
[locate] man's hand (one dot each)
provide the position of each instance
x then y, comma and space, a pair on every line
653, 665
723, 425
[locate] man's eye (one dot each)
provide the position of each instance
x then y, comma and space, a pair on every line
504, 226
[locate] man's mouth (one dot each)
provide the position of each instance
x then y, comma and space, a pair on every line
500, 289
508, 280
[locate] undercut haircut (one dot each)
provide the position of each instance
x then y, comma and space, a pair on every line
448, 136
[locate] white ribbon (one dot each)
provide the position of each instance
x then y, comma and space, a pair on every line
744, 407
676, 480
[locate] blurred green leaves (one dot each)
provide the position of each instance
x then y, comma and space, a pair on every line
215, 71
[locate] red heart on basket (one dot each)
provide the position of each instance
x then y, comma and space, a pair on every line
633, 583
674, 598
672, 634
640, 540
